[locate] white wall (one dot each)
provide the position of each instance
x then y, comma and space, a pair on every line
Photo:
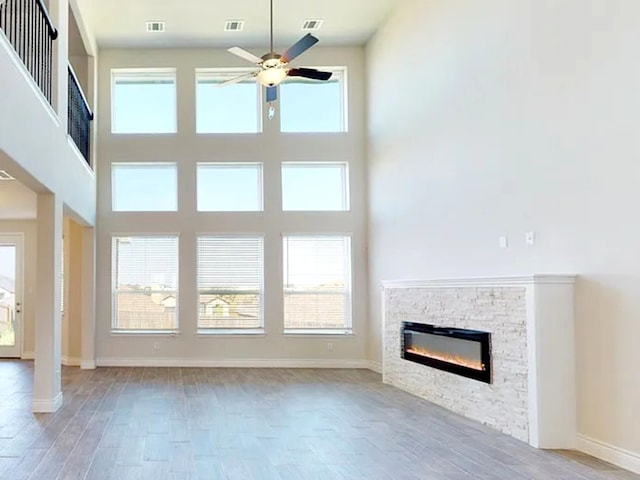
187, 148
29, 231
34, 145
500, 117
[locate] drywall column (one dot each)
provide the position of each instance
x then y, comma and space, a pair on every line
59, 10
47, 394
88, 294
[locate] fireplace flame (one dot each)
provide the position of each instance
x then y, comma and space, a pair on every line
445, 357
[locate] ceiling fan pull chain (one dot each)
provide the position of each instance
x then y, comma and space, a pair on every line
272, 111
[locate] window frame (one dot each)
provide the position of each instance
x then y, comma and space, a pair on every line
346, 191
114, 287
347, 329
114, 165
342, 72
251, 331
142, 73
260, 190
227, 73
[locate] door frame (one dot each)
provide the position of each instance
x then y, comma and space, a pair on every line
17, 239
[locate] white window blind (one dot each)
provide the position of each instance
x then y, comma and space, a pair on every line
143, 101
144, 187
146, 283
317, 283
230, 282
229, 187
315, 186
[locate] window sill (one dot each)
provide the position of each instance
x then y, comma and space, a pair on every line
241, 332
145, 333
346, 332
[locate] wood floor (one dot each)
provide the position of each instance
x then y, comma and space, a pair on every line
209, 424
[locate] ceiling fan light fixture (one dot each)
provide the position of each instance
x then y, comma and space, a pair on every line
270, 77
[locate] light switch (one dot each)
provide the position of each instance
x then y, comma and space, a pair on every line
530, 238
503, 241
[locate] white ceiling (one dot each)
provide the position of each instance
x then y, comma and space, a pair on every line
198, 23
17, 202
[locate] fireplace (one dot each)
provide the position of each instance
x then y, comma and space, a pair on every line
455, 350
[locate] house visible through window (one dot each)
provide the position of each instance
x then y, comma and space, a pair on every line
234, 108
317, 284
145, 275
143, 101
313, 106
144, 187
315, 186
230, 282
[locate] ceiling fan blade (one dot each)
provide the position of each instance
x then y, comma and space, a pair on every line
242, 53
237, 79
298, 48
272, 94
310, 73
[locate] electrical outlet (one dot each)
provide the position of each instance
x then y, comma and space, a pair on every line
156, 345
330, 346
530, 238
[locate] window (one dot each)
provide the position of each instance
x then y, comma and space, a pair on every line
315, 186
145, 283
229, 187
234, 108
144, 187
317, 284
312, 106
230, 282
143, 101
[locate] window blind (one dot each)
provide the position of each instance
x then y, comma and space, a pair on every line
317, 283
230, 282
146, 283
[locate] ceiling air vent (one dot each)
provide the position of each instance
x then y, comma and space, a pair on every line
5, 176
312, 24
155, 27
233, 25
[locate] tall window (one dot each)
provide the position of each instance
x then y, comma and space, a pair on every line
317, 284
145, 283
144, 187
234, 108
230, 282
315, 186
313, 106
229, 187
143, 101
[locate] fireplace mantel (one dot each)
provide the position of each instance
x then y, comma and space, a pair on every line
532, 323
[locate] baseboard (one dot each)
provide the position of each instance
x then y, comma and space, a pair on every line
231, 362
609, 453
47, 405
28, 355
88, 364
375, 366
70, 361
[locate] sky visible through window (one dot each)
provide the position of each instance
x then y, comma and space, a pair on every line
144, 106
145, 188
147, 262
229, 109
314, 187
229, 188
8, 261
311, 107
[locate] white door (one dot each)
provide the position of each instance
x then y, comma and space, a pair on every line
10, 295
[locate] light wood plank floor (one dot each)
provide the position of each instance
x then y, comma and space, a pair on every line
280, 424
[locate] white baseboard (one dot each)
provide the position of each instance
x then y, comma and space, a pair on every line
88, 364
46, 405
70, 361
375, 366
28, 355
609, 453
231, 362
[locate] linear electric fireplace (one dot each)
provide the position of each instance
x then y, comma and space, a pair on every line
455, 350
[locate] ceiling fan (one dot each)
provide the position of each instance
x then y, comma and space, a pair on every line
274, 67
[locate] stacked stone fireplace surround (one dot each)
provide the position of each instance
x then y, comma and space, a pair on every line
532, 391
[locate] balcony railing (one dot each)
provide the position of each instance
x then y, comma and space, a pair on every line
28, 27
79, 116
